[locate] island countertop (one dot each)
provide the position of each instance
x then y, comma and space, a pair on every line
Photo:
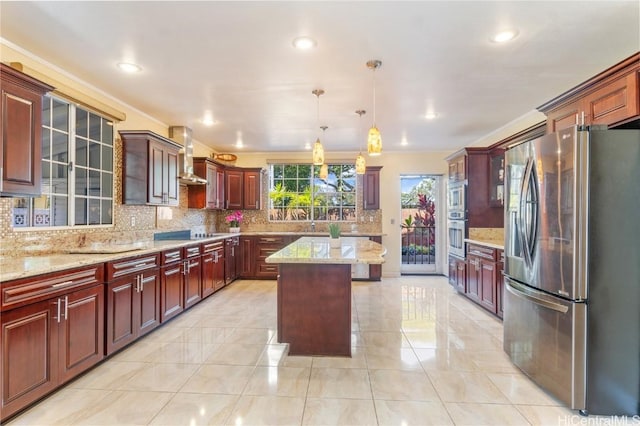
317, 250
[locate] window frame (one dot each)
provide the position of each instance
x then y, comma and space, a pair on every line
311, 183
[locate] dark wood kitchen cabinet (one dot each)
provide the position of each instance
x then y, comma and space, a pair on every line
458, 274
20, 132
482, 276
232, 259
171, 284
192, 276
610, 98
133, 299
149, 169
248, 257
371, 188
500, 284
242, 188
375, 271
52, 329
458, 168
211, 195
265, 246
233, 189
213, 269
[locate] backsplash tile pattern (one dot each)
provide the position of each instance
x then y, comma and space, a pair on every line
492, 235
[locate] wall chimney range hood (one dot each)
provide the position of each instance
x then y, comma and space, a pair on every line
182, 134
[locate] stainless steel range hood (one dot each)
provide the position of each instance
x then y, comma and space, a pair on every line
182, 134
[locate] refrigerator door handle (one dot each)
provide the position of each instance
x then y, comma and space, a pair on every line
534, 296
528, 213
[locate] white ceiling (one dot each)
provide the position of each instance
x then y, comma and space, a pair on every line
236, 59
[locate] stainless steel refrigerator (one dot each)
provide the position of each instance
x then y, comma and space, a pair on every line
572, 266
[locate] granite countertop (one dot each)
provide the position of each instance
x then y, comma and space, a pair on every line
27, 266
314, 233
496, 244
317, 250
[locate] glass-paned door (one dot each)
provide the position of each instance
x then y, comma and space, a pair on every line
419, 194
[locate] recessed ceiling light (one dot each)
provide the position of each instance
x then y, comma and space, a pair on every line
304, 43
208, 120
307, 146
504, 36
404, 141
129, 67
430, 115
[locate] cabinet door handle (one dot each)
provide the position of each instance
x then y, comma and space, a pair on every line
138, 283
58, 311
66, 307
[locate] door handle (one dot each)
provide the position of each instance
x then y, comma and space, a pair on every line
58, 311
66, 307
523, 293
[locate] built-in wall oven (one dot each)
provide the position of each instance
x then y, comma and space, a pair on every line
456, 201
457, 233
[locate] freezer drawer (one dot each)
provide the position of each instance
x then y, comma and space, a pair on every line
545, 337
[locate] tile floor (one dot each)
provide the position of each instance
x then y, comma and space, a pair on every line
422, 355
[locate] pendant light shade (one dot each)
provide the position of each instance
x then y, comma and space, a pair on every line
318, 150
318, 153
324, 171
374, 140
361, 165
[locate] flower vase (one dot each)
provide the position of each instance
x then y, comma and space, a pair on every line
335, 243
234, 229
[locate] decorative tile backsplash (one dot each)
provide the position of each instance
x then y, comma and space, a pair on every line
487, 234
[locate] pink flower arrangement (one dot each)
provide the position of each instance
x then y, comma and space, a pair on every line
234, 219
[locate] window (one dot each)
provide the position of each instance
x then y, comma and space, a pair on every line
77, 170
297, 193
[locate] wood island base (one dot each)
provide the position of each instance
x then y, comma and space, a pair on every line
314, 308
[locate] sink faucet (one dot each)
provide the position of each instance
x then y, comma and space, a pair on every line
313, 227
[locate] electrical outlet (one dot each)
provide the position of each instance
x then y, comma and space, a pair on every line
133, 221
361, 218
393, 221
371, 219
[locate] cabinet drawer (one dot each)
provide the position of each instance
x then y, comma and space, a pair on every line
192, 251
481, 251
267, 270
209, 247
265, 251
33, 289
170, 256
130, 265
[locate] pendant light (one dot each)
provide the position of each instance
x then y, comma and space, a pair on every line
324, 169
318, 150
361, 165
374, 140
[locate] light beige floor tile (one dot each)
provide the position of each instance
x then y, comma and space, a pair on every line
339, 383
451, 359
236, 354
204, 334
267, 410
278, 381
330, 411
493, 362
255, 336
165, 334
453, 386
160, 377
476, 342
420, 413
65, 407
183, 352
218, 321
274, 354
227, 379
139, 351
357, 360
192, 409
521, 390
543, 415
394, 339
127, 408
381, 358
108, 375
402, 385
297, 361
427, 338
484, 414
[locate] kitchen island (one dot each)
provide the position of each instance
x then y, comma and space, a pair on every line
314, 293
